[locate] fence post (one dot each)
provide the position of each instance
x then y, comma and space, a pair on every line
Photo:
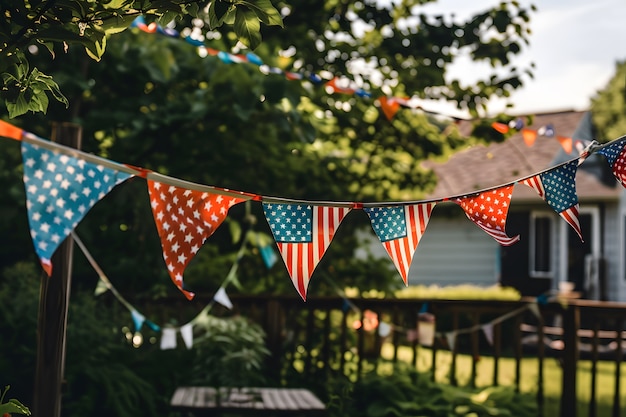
54, 300
571, 324
274, 328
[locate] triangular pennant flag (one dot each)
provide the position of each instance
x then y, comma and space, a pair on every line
566, 144
529, 136
10, 131
547, 130
384, 329
168, 338
302, 233
451, 339
60, 190
187, 333
500, 127
489, 210
153, 326
615, 154
517, 124
101, 288
534, 308
333, 86
558, 188
138, 319
389, 106
222, 298
268, 255
488, 330
400, 229
185, 219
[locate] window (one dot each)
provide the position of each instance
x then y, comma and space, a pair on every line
541, 232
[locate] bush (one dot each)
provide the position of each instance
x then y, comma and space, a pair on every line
406, 392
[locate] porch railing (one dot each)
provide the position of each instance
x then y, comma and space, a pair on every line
322, 336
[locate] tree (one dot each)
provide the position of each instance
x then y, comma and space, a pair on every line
56, 24
608, 107
152, 101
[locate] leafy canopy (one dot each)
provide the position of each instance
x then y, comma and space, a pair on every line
57, 24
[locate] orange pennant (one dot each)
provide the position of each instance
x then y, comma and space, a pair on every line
529, 136
566, 143
500, 127
389, 106
10, 131
335, 88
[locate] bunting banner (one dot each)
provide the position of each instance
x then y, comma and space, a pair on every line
10, 131
615, 155
332, 84
185, 219
558, 188
168, 338
400, 229
62, 184
186, 332
60, 190
488, 210
488, 331
529, 136
303, 233
222, 298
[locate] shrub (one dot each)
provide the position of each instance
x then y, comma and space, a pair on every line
406, 392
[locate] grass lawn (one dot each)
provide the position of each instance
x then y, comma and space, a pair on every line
605, 383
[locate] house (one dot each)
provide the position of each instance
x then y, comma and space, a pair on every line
454, 250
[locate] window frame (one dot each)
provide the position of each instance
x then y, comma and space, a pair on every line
532, 270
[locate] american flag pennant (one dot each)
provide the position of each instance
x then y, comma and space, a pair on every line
400, 229
60, 190
303, 233
488, 210
615, 155
558, 188
185, 219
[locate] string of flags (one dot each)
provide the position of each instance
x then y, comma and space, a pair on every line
169, 333
63, 183
530, 135
332, 84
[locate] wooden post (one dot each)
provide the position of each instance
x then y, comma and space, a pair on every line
53, 306
571, 324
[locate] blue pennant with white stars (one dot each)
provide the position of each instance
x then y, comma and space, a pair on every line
60, 190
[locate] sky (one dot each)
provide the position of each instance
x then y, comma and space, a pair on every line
574, 44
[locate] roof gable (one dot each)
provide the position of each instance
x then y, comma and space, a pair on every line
480, 167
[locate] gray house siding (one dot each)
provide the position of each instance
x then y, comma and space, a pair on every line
454, 251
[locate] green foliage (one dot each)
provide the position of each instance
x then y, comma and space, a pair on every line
229, 353
459, 292
102, 373
608, 107
12, 405
406, 392
61, 23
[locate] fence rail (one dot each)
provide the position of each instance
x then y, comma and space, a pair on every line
325, 336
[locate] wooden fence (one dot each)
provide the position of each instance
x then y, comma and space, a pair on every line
325, 336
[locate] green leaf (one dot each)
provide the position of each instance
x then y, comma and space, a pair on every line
247, 27
14, 406
17, 108
265, 12
96, 50
235, 230
221, 8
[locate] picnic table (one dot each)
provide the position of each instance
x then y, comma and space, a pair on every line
204, 401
